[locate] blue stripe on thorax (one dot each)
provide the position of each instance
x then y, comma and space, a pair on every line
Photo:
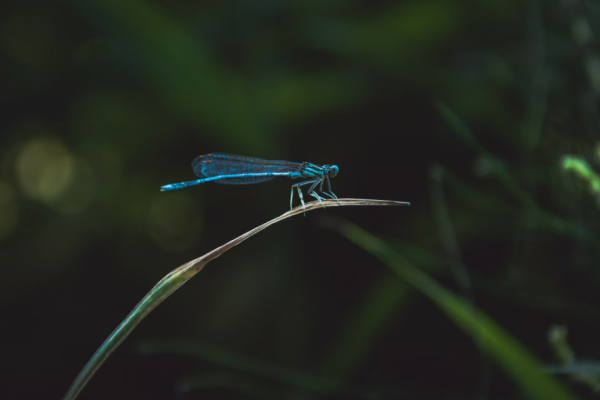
310, 171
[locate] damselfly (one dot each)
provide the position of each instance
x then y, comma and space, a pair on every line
239, 170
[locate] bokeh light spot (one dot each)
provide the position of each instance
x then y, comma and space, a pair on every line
44, 169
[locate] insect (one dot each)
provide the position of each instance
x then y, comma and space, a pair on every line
240, 170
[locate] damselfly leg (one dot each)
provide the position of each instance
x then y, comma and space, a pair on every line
324, 192
297, 185
314, 194
329, 187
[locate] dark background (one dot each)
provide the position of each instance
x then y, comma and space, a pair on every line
104, 101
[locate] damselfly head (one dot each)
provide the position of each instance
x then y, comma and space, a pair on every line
333, 171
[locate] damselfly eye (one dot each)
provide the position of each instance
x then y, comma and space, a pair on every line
333, 171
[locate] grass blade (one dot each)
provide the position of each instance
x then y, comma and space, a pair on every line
181, 275
381, 305
510, 355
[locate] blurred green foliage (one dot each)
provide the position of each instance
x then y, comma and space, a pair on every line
483, 114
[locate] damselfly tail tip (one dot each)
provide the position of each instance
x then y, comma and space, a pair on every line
171, 187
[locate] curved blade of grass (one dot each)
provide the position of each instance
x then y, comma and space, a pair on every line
382, 304
510, 355
181, 275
